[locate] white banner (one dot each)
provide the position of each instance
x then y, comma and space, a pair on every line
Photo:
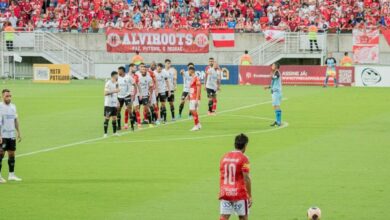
372, 76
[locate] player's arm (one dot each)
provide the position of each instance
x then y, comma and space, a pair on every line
248, 185
174, 79
1, 136
150, 90
199, 87
205, 78
182, 72
19, 137
219, 80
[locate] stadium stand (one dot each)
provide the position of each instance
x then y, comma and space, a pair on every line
241, 15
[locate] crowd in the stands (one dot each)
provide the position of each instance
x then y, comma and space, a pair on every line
95, 16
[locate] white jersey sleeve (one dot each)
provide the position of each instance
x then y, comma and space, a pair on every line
186, 81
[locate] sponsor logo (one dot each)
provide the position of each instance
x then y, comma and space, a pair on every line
225, 74
370, 77
248, 75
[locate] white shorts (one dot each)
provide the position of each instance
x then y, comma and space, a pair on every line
239, 207
154, 98
194, 105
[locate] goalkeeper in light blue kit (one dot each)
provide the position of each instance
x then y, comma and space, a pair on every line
276, 91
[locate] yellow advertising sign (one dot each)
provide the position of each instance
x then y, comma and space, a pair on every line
51, 73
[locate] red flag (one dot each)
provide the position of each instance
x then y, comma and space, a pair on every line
223, 38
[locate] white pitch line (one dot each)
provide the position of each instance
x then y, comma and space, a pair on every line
128, 132
285, 125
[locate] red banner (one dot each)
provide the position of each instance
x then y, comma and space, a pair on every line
294, 75
157, 41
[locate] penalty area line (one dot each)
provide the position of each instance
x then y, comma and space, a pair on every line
49, 149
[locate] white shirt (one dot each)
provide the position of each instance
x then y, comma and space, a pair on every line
212, 78
171, 77
112, 99
145, 82
161, 81
125, 84
7, 122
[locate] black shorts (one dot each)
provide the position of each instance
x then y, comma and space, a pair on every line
211, 93
162, 97
171, 98
184, 95
9, 144
110, 111
124, 101
145, 100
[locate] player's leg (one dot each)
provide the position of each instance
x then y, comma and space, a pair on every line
114, 120
315, 41
311, 45
214, 102
194, 111
2, 180
335, 80
326, 79
11, 149
276, 101
106, 120
136, 113
210, 103
171, 100
182, 102
241, 207
226, 209
119, 110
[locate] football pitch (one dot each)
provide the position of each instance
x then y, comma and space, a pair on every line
333, 152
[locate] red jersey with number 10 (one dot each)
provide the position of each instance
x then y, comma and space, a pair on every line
195, 82
232, 168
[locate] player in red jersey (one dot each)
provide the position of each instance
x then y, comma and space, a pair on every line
195, 91
235, 184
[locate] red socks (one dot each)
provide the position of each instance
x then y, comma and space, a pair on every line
196, 117
126, 116
138, 117
156, 112
214, 104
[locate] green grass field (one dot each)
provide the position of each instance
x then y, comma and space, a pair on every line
334, 153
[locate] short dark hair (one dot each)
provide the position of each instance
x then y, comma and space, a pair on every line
160, 65
136, 52
131, 65
191, 68
346, 54
211, 58
5, 90
277, 65
190, 64
141, 64
167, 60
246, 51
241, 141
315, 217
122, 68
113, 73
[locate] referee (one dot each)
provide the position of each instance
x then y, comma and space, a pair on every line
9, 134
